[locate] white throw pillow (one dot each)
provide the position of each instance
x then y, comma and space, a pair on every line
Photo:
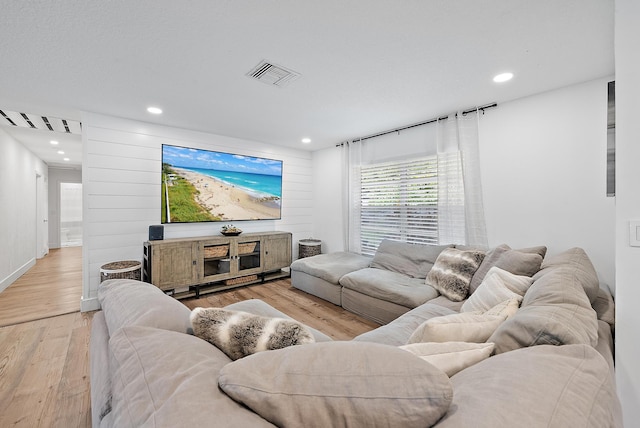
451, 357
497, 286
463, 327
506, 309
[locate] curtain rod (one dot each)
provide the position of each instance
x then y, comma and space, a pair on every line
426, 122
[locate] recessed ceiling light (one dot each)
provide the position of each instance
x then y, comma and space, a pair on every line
66, 159
306, 140
54, 142
503, 77
154, 110
60, 152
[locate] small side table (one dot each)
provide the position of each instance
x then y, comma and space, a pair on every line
309, 247
126, 269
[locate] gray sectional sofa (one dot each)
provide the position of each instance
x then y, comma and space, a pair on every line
548, 363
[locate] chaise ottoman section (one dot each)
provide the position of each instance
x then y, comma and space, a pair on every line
320, 275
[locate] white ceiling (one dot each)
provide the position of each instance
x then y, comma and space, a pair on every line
366, 66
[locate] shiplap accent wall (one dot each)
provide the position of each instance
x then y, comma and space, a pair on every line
121, 190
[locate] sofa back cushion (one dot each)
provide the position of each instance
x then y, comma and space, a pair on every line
583, 270
127, 302
550, 386
555, 311
414, 260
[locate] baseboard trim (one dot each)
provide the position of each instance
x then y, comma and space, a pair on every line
88, 305
17, 274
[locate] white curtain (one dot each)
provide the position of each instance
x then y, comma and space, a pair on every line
460, 206
351, 163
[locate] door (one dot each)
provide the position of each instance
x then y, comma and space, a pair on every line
42, 229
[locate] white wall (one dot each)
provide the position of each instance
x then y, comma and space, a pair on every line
627, 207
543, 164
18, 169
121, 190
57, 176
543, 161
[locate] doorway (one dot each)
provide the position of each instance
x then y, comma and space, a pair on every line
70, 214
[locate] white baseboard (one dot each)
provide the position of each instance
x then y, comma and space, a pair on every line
16, 274
88, 305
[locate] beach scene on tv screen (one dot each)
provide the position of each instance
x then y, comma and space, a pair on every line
203, 185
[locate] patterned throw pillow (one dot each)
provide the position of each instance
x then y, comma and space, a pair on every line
452, 272
239, 334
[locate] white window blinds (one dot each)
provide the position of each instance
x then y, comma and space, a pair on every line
399, 201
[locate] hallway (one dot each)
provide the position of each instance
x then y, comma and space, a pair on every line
52, 287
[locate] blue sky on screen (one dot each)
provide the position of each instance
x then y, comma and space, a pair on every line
205, 159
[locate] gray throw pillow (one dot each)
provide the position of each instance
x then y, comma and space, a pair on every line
452, 272
524, 261
339, 384
239, 334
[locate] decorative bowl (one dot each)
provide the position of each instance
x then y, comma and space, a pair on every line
231, 233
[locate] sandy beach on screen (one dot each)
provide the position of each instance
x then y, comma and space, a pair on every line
227, 201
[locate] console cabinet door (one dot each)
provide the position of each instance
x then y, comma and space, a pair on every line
173, 265
277, 251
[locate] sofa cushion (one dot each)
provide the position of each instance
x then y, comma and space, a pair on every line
259, 307
331, 266
130, 302
339, 384
543, 386
389, 286
525, 261
583, 269
451, 357
398, 331
462, 327
452, 272
498, 285
414, 260
239, 334
605, 307
555, 310
167, 379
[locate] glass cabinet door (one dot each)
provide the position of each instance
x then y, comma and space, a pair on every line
216, 259
249, 256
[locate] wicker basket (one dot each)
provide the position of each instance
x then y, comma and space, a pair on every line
246, 247
309, 247
241, 280
127, 269
216, 251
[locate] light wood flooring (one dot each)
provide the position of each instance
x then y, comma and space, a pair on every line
52, 287
44, 368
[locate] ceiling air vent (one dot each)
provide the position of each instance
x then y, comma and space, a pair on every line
34, 121
273, 74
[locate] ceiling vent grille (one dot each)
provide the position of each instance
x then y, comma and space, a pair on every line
34, 121
273, 74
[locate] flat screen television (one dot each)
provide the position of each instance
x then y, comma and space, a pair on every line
203, 185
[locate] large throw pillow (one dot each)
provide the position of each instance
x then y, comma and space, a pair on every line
451, 357
339, 384
413, 260
239, 334
452, 272
524, 261
463, 327
498, 285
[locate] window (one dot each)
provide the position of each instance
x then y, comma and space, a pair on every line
399, 201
